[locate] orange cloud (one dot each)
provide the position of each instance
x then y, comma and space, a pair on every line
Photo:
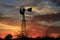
3, 34
54, 35
36, 30
36, 33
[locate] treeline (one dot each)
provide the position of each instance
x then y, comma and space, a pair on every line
9, 37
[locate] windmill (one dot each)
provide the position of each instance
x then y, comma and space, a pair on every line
22, 12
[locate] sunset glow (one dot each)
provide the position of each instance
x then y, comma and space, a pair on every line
15, 30
44, 20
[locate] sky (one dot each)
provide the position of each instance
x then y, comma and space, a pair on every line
44, 18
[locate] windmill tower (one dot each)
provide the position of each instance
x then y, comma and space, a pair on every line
23, 27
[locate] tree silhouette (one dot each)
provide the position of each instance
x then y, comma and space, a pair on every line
1, 38
8, 37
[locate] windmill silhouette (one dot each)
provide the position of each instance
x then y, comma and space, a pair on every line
22, 12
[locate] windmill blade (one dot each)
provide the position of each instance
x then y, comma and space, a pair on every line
22, 11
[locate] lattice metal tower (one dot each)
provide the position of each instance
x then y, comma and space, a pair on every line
22, 12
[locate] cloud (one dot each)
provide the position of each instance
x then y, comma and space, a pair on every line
1, 14
48, 17
11, 7
41, 29
10, 21
54, 29
32, 25
57, 2
10, 25
43, 10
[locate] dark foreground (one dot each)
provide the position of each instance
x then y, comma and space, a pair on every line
9, 37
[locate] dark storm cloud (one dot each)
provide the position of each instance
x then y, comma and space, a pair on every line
4, 5
35, 25
5, 18
35, 2
48, 17
57, 2
1, 14
54, 29
10, 21
11, 3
